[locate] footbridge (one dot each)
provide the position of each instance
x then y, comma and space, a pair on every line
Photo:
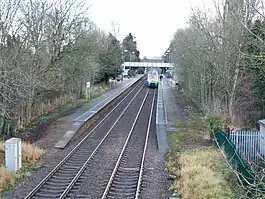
135, 65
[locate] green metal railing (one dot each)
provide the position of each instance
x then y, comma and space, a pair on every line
246, 174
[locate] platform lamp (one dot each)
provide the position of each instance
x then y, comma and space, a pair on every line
123, 58
131, 57
124, 51
168, 53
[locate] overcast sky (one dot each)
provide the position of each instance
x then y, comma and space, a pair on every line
152, 22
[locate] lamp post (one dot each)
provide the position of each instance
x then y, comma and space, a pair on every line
168, 54
131, 56
123, 58
123, 54
166, 58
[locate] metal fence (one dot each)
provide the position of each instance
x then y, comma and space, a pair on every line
247, 175
249, 144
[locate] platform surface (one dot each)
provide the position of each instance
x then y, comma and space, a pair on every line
167, 113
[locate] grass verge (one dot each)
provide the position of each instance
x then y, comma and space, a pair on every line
97, 91
198, 167
32, 157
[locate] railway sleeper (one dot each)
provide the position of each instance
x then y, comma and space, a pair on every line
76, 161
80, 153
125, 189
115, 197
79, 157
84, 177
55, 189
126, 180
71, 167
51, 190
55, 183
75, 188
79, 196
122, 183
42, 194
144, 184
124, 194
66, 179
71, 163
129, 174
124, 169
126, 163
56, 180
65, 172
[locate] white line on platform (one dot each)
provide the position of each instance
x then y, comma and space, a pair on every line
165, 109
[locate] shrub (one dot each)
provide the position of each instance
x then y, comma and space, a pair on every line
7, 179
214, 122
140, 70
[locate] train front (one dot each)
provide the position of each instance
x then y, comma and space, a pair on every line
152, 79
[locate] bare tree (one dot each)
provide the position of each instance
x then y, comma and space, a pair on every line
218, 67
46, 50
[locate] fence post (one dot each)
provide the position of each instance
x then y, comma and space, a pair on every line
228, 131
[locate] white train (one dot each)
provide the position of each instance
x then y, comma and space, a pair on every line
152, 79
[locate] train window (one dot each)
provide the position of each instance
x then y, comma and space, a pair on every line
152, 74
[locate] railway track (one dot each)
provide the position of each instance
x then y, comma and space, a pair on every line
63, 177
126, 178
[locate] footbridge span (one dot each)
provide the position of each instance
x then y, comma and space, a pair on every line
135, 65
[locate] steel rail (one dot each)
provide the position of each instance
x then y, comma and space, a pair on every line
85, 164
56, 168
105, 194
144, 151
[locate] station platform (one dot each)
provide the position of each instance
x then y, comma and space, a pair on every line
74, 121
167, 113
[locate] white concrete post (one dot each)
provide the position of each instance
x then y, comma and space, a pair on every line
13, 156
110, 82
87, 90
262, 140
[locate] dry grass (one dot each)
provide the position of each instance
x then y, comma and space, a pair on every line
98, 90
2, 153
199, 168
204, 175
30, 155
7, 179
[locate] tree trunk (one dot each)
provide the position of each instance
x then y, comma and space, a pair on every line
232, 95
81, 90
